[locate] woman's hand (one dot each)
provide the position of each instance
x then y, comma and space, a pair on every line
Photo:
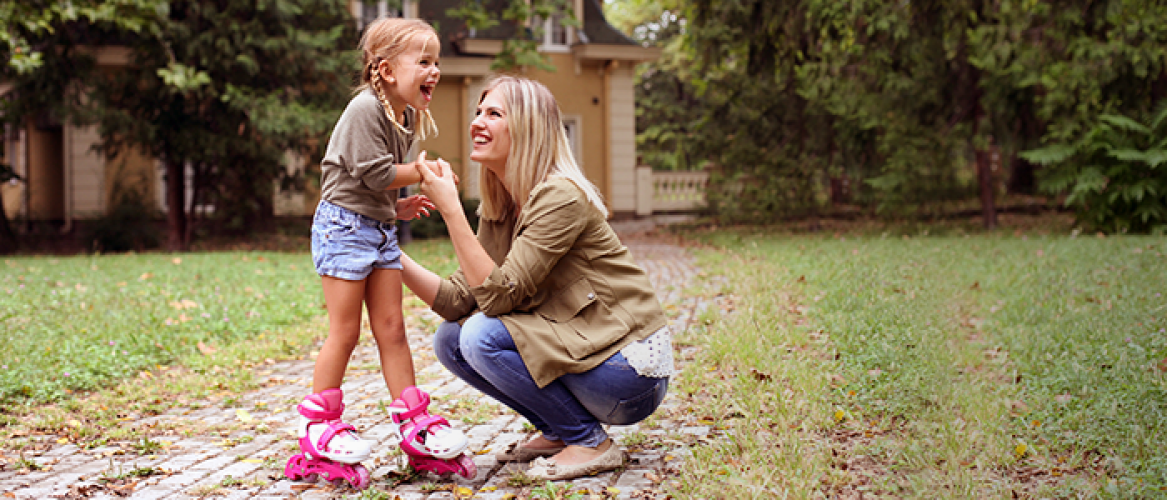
439, 183
415, 206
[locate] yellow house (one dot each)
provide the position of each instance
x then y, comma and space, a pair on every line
593, 82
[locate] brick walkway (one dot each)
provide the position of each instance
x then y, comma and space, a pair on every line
249, 463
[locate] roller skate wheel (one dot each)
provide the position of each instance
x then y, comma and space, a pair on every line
297, 469
466, 467
362, 477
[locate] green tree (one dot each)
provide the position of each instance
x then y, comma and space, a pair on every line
743, 57
222, 89
225, 89
912, 102
42, 42
511, 21
1115, 174
666, 102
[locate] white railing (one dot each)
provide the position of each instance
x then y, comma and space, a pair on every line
669, 191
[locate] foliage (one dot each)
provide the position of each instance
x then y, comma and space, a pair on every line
130, 225
896, 99
1115, 175
666, 104
521, 50
26, 23
218, 91
227, 92
898, 365
434, 226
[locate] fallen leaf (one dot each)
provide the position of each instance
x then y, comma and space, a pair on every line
243, 416
205, 349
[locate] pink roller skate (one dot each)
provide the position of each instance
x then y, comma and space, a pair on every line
330, 448
429, 441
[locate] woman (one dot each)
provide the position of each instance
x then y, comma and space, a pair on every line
547, 313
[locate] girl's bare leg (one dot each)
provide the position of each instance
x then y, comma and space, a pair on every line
343, 299
383, 296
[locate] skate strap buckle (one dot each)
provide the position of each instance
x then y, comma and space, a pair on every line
334, 427
416, 428
314, 414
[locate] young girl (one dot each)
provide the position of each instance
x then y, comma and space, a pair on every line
355, 251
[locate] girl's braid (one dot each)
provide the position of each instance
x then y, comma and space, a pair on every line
375, 82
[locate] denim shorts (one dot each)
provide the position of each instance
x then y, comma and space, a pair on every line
349, 246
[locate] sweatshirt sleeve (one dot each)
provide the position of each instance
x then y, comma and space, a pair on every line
454, 300
360, 144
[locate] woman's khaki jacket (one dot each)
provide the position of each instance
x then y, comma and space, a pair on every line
567, 290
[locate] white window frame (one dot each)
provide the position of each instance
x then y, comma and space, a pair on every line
573, 126
547, 42
408, 10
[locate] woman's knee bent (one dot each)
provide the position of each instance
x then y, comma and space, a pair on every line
637, 408
446, 341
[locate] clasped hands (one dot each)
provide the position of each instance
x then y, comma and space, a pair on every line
439, 183
435, 172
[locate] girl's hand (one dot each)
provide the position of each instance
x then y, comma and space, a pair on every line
415, 206
439, 183
432, 165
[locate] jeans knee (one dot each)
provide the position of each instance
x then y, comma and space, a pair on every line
446, 343
635, 409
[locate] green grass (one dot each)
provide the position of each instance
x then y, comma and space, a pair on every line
78, 323
93, 340
955, 366
944, 363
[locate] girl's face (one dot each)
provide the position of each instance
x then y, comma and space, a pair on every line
411, 78
491, 134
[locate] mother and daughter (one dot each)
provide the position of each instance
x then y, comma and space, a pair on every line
548, 313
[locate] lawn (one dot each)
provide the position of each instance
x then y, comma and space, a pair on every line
73, 325
1016, 364
1021, 363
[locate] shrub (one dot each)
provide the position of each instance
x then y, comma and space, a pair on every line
1114, 176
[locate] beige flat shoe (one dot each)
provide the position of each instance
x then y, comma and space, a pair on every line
520, 453
546, 468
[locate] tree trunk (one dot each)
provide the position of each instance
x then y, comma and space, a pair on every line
176, 237
8, 241
987, 162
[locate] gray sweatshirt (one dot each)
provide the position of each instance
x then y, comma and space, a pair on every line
362, 157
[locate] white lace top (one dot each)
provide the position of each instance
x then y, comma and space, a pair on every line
653, 356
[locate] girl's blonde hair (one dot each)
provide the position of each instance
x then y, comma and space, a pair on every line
386, 39
539, 149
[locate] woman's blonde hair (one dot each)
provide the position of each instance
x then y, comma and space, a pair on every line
386, 39
539, 149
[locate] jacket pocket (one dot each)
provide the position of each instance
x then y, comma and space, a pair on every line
582, 322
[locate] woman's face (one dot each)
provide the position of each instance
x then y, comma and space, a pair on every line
490, 134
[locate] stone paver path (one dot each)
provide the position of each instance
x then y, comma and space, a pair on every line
246, 459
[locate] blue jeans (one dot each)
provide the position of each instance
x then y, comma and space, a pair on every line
348, 245
573, 408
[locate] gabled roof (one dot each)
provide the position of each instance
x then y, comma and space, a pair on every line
597, 39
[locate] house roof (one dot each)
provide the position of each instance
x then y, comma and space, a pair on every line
597, 39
